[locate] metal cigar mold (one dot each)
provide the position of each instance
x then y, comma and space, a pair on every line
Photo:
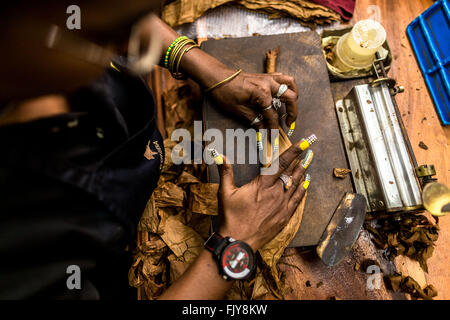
384, 168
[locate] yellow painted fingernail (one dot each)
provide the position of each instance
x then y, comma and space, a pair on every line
216, 156
307, 181
276, 143
259, 143
307, 159
306, 143
291, 129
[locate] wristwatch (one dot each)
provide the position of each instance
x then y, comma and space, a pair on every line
235, 258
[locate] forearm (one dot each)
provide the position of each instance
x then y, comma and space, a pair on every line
200, 282
196, 64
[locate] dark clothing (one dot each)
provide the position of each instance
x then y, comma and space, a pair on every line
72, 190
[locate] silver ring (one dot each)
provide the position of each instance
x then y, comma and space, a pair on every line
281, 90
258, 119
276, 103
268, 108
287, 181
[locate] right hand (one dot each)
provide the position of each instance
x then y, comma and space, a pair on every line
250, 93
258, 211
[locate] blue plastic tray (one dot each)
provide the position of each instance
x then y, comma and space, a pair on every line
429, 35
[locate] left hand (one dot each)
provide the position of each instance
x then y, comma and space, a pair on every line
249, 93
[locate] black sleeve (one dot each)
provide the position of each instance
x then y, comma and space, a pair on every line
47, 226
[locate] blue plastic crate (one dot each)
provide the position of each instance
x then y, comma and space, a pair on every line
429, 35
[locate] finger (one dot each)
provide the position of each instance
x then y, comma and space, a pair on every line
288, 157
289, 172
290, 98
287, 80
299, 171
299, 193
291, 104
271, 118
225, 171
261, 100
250, 115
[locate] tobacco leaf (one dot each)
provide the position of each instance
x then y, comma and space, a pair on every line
148, 267
186, 178
168, 194
272, 251
201, 224
186, 11
182, 240
261, 288
408, 285
149, 221
412, 235
178, 107
341, 173
203, 198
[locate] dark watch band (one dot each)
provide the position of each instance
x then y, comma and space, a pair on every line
215, 244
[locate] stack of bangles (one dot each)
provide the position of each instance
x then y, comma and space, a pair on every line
175, 53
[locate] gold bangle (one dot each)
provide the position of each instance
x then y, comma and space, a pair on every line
181, 56
234, 75
176, 51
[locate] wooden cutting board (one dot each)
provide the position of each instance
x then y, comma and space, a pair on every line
301, 57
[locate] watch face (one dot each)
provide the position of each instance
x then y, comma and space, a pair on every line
237, 260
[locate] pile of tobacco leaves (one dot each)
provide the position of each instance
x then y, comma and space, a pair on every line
412, 235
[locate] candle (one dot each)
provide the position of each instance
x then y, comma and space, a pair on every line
356, 49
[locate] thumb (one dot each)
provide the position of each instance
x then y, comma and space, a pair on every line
225, 171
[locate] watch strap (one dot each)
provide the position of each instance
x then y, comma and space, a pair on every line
215, 244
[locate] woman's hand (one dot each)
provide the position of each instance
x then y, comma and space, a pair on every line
257, 212
250, 93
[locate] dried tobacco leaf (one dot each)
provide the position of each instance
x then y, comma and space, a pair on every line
168, 194
201, 224
149, 221
186, 11
273, 250
412, 235
148, 268
341, 173
184, 242
203, 198
408, 285
186, 178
